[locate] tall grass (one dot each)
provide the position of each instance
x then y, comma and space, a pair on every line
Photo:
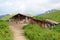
5, 32
57, 28
34, 32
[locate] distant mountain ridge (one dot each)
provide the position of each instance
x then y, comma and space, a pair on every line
53, 10
54, 15
1, 16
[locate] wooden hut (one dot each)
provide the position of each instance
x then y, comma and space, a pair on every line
24, 19
51, 23
20, 18
44, 23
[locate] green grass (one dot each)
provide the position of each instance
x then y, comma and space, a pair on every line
57, 28
34, 32
8, 17
5, 32
52, 15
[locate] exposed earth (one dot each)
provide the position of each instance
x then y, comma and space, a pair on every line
17, 31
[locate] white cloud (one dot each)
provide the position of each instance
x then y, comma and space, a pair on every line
37, 1
37, 6
56, 5
5, 4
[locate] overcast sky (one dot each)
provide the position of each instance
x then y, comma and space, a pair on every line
28, 6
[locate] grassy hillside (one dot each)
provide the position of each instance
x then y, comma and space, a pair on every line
1, 16
5, 32
7, 17
34, 32
52, 15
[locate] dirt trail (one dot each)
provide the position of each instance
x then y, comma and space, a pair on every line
17, 31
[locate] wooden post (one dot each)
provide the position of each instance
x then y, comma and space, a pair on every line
26, 19
18, 19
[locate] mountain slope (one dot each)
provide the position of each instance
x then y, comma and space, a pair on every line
7, 17
1, 16
55, 15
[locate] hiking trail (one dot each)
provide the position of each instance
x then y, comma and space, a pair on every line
17, 31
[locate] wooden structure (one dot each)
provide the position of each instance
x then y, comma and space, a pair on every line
23, 19
44, 23
51, 23
20, 18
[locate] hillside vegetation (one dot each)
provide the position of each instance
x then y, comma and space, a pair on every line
7, 17
34, 32
5, 32
55, 15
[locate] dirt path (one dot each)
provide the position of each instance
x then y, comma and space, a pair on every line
17, 31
